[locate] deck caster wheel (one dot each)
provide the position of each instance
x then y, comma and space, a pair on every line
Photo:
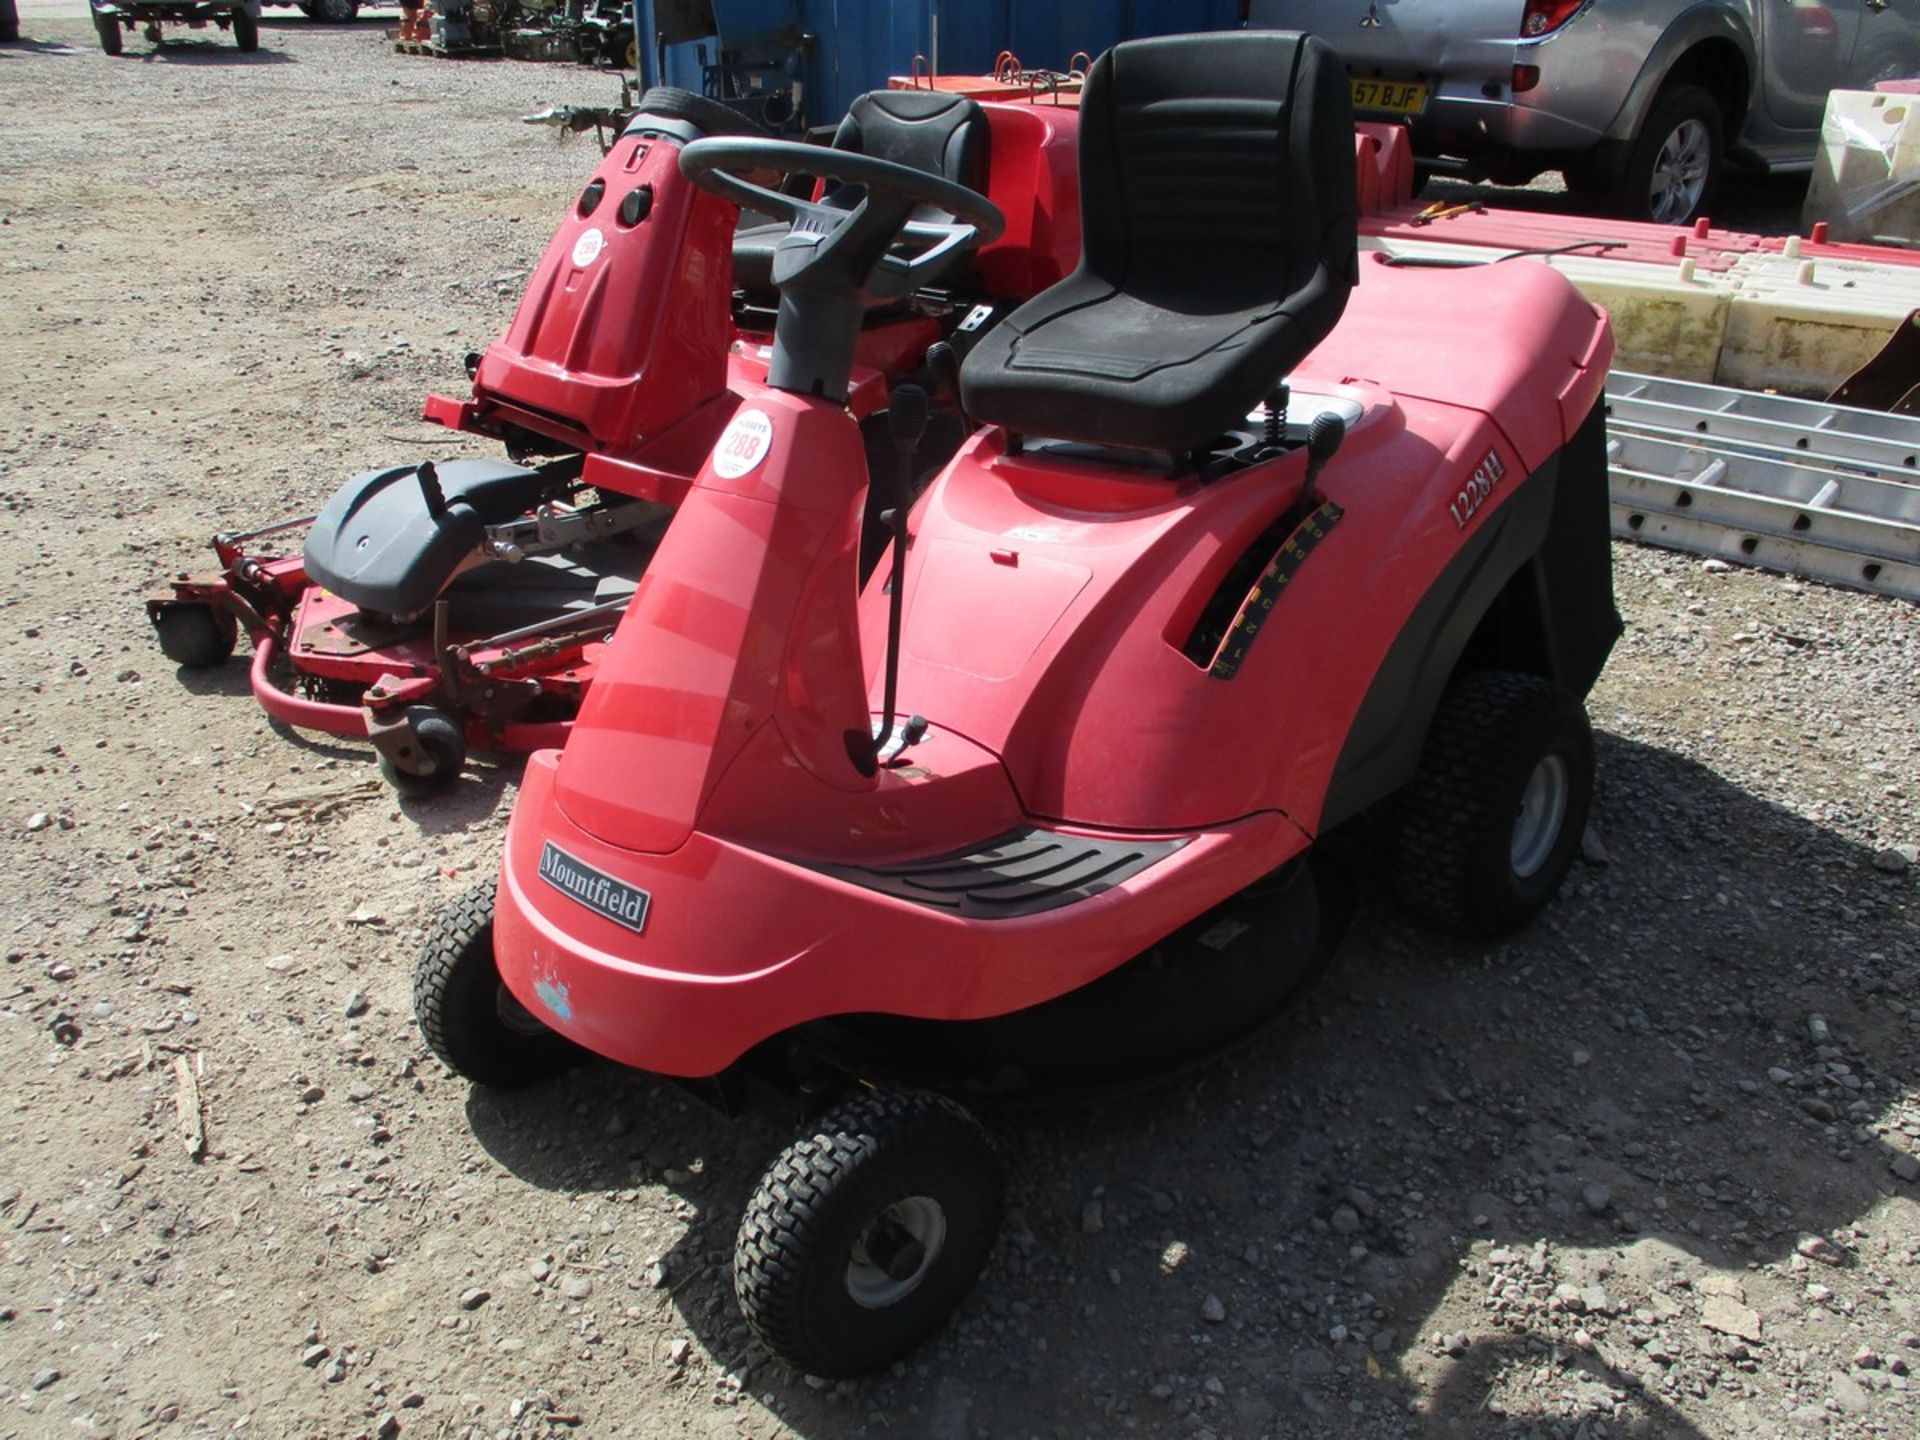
470, 1020
425, 754
1489, 825
866, 1233
108, 29
195, 636
153, 34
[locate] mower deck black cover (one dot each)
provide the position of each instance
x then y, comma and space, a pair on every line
378, 544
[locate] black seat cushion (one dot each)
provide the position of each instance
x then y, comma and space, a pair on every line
944, 135
1219, 213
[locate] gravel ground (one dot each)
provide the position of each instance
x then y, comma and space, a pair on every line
1649, 1169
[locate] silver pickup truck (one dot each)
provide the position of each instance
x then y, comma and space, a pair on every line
1639, 102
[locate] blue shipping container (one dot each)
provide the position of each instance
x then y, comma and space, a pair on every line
858, 44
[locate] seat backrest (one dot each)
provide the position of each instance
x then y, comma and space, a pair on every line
1217, 172
942, 134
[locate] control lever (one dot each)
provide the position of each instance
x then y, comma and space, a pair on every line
906, 421
1324, 438
943, 364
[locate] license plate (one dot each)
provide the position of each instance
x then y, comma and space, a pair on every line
1396, 97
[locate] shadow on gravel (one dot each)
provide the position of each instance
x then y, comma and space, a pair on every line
1397, 1216
207, 52
226, 679
10, 48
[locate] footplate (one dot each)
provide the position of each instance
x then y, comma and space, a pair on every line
1027, 872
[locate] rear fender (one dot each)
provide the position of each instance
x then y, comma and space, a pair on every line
1532, 590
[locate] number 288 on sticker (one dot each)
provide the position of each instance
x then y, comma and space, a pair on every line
1479, 485
743, 444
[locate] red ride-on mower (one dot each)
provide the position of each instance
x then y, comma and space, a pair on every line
437, 606
1256, 538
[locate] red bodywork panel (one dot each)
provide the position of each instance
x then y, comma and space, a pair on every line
1047, 605
1046, 612
1034, 177
623, 329
739, 944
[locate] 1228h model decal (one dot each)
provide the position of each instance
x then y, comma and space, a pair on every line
1475, 491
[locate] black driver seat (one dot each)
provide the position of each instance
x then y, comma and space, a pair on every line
944, 135
1219, 214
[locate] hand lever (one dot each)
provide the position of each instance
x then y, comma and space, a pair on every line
906, 422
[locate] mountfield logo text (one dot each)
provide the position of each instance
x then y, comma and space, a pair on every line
622, 904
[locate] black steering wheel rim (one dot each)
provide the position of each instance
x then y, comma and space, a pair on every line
709, 164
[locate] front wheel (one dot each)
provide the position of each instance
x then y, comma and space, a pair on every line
471, 1021
1675, 161
108, 29
246, 30
1490, 823
866, 1233
192, 635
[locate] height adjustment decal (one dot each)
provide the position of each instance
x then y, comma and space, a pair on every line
1265, 594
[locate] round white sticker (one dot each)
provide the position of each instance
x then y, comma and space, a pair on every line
743, 445
587, 248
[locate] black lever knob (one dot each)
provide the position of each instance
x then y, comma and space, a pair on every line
907, 415
1324, 438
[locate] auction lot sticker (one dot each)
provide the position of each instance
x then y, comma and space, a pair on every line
743, 445
587, 248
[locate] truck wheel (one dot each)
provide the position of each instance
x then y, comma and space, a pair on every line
332, 12
108, 29
865, 1234
470, 1020
195, 636
246, 30
1488, 827
1675, 160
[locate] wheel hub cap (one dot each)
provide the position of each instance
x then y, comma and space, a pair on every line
515, 1016
1680, 173
1543, 811
895, 1252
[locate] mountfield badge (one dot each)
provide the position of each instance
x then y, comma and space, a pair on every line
621, 903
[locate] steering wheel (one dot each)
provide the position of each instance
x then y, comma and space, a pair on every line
842, 242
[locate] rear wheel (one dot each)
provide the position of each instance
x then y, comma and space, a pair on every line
332, 12
246, 29
1490, 823
1675, 160
470, 1020
865, 1234
108, 29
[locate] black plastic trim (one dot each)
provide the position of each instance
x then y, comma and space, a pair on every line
1026, 872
